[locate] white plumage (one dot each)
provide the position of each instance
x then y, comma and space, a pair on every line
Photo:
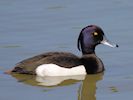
55, 70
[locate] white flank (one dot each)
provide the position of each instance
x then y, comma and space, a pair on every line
55, 70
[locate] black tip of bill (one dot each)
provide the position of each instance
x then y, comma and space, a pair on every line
117, 45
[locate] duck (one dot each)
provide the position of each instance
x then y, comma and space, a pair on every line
68, 64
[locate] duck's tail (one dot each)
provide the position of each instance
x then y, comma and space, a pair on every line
19, 71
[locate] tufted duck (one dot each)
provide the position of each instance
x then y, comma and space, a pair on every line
66, 64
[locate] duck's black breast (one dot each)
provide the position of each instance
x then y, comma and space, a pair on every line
63, 59
92, 63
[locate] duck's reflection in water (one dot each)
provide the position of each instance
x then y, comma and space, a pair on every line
59, 81
86, 91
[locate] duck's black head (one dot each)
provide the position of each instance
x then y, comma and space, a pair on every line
90, 37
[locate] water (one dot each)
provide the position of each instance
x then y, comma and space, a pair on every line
31, 27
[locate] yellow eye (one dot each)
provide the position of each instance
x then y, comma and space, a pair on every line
95, 33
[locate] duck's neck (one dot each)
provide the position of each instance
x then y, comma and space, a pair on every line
90, 50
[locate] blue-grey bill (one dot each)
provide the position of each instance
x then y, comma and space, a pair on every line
108, 43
